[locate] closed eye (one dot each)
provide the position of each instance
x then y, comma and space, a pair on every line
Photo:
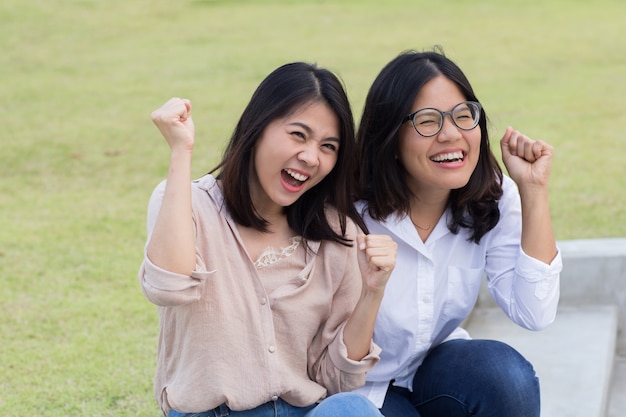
426, 117
331, 146
463, 115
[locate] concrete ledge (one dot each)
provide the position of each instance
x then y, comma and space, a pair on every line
573, 357
617, 399
591, 248
594, 273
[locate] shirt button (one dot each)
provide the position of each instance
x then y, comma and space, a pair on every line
272, 348
263, 301
426, 299
424, 339
274, 397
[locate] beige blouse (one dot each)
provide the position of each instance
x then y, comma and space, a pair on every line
225, 339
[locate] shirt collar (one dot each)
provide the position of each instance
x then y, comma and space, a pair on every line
401, 226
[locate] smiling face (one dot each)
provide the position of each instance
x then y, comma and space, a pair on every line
445, 161
293, 154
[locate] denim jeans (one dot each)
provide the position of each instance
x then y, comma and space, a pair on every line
339, 405
460, 378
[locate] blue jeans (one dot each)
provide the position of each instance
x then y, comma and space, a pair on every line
460, 378
339, 405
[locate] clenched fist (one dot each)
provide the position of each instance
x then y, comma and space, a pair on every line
377, 258
174, 121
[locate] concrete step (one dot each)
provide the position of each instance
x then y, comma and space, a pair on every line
573, 357
617, 396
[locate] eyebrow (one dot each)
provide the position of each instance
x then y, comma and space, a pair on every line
310, 131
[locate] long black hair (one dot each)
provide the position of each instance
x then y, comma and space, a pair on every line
281, 93
381, 177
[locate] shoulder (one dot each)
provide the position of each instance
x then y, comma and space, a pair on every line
333, 219
508, 185
207, 188
205, 192
361, 207
206, 183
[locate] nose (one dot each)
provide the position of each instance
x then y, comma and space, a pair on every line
309, 155
448, 131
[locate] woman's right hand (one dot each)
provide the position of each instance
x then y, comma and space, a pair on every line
175, 123
172, 241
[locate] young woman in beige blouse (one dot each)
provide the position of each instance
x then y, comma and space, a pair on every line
267, 289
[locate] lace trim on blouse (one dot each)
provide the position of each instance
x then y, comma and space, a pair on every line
271, 255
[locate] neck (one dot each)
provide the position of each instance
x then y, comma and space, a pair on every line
417, 226
425, 214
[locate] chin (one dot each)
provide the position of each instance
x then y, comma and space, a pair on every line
455, 185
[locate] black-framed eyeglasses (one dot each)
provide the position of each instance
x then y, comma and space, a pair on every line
429, 121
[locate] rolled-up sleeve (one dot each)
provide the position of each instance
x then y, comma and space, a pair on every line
331, 366
352, 372
536, 292
525, 288
165, 288
162, 287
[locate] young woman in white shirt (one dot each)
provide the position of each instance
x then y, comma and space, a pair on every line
266, 303
429, 179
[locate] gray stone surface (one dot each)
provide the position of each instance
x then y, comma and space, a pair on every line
573, 357
617, 400
594, 272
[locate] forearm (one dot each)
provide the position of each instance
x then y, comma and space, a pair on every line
171, 244
359, 330
537, 234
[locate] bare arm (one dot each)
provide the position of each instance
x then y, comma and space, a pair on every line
171, 245
529, 163
377, 259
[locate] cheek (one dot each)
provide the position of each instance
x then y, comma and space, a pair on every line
411, 144
327, 163
412, 153
475, 141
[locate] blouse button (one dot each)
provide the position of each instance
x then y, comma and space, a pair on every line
263, 301
272, 348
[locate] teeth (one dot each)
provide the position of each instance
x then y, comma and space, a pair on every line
297, 176
448, 157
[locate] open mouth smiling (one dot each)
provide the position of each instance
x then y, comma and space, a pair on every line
448, 157
294, 178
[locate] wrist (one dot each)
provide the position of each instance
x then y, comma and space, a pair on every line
533, 191
182, 150
372, 294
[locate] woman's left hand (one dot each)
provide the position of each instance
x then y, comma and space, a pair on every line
377, 258
528, 161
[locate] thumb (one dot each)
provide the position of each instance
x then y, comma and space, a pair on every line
187, 113
505, 141
362, 255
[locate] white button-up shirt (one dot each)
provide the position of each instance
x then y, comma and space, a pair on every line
435, 285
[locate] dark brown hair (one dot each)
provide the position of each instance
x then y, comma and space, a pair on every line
381, 176
282, 92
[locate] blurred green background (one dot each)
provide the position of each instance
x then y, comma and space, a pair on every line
79, 155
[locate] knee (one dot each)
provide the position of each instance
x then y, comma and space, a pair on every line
491, 375
346, 404
504, 368
490, 363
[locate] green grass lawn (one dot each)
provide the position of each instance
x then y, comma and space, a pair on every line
79, 156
